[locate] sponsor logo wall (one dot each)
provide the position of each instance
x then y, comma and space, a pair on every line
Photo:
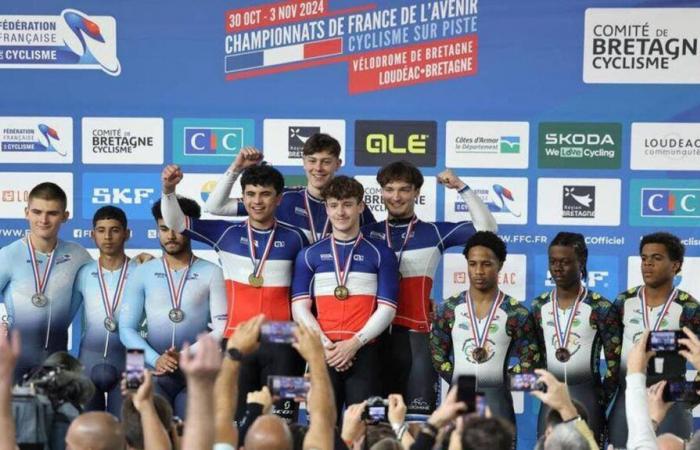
598, 135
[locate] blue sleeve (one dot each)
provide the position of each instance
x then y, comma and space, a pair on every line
132, 311
303, 275
387, 277
367, 217
454, 234
209, 232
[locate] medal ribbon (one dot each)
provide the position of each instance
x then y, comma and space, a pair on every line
176, 296
310, 218
563, 336
259, 265
645, 313
481, 337
342, 276
40, 283
409, 230
111, 305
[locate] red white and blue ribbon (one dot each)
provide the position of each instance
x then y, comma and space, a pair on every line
258, 265
310, 218
176, 295
111, 305
40, 282
409, 230
645, 309
481, 336
563, 335
341, 276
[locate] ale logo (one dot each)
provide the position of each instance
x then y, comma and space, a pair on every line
379, 142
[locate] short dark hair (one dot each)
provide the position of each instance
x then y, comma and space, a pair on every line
376, 432
49, 191
320, 142
131, 419
342, 187
400, 171
575, 241
554, 418
674, 246
110, 212
487, 433
263, 175
489, 240
188, 206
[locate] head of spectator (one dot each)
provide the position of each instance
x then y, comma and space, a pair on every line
95, 431
131, 420
662, 258
269, 432
298, 434
554, 417
486, 433
321, 158
387, 444
173, 243
376, 433
668, 441
566, 437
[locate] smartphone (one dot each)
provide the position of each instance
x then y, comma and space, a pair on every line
135, 364
376, 410
278, 332
481, 404
665, 341
295, 388
681, 391
526, 382
466, 391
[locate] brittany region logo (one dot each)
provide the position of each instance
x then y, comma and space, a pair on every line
71, 40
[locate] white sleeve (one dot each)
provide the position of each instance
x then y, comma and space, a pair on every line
301, 313
641, 435
219, 202
173, 217
482, 219
378, 322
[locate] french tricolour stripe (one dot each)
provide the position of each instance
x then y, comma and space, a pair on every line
284, 55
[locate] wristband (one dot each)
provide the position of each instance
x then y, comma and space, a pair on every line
234, 354
573, 419
429, 428
399, 430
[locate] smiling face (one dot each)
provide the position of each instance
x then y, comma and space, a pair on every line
45, 217
344, 214
400, 199
261, 203
320, 167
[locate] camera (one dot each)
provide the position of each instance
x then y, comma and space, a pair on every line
681, 391
376, 410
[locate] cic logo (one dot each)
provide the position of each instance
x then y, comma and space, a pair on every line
669, 202
211, 141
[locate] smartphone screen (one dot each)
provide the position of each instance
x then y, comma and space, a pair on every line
664, 341
295, 388
681, 391
277, 332
525, 382
466, 391
135, 363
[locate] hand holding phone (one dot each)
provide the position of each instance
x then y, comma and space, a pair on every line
526, 382
277, 332
665, 341
294, 388
466, 392
135, 365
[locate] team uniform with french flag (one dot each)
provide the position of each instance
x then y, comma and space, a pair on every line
354, 287
257, 266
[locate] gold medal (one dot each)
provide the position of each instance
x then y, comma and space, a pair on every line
480, 354
341, 292
255, 281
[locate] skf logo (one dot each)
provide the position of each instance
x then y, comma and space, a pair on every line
386, 143
213, 141
381, 142
670, 202
121, 196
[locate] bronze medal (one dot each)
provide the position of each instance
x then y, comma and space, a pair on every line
480, 354
341, 292
562, 354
